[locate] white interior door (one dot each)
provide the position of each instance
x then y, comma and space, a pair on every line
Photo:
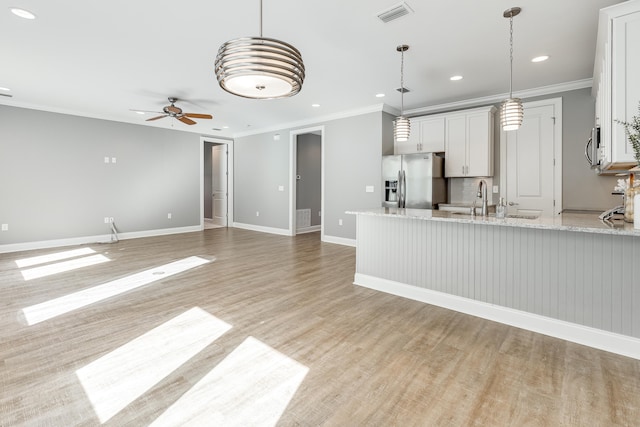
531, 171
219, 184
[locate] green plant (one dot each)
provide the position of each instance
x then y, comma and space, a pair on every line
633, 133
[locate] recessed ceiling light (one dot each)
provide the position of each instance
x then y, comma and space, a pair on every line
379, 95
5, 89
455, 78
139, 112
22, 13
540, 58
315, 105
225, 127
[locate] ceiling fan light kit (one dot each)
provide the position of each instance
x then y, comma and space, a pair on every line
259, 67
511, 110
402, 125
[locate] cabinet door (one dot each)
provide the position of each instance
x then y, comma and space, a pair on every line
480, 144
412, 145
625, 83
455, 146
432, 134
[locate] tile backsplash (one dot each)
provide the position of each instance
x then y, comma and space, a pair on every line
464, 190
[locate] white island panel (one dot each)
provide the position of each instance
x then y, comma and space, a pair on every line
577, 285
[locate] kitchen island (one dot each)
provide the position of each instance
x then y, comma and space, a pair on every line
571, 276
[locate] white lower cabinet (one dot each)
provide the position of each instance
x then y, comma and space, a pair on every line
469, 143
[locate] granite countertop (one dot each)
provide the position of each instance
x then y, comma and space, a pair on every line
587, 222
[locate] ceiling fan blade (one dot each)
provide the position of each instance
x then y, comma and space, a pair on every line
186, 120
198, 116
156, 118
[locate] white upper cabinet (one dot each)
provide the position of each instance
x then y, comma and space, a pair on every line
469, 143
427, 135
616, 84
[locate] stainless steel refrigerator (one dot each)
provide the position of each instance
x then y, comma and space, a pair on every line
414, 181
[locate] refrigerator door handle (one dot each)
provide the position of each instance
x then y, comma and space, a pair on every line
399, 190
404, 189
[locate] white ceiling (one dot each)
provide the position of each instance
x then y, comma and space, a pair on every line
103, 58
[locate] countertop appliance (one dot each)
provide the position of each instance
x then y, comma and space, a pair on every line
414, 181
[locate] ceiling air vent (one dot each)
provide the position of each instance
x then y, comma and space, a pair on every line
394, 12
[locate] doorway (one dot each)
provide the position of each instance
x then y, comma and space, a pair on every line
216, 183
531, 161
306, 199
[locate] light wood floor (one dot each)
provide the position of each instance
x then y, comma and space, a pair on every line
374, 359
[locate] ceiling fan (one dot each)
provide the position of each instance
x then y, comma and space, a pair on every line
176, 112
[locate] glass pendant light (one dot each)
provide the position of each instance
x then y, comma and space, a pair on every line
259, 67
511, 110
402, 125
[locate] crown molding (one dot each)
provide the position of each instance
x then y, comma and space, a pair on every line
494, 99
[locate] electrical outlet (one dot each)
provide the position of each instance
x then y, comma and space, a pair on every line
5, 227
106, 220
340, 221
110, 219
368, 188
106, 160
169, 215
496, 190
280, 187
113, 160
257, 213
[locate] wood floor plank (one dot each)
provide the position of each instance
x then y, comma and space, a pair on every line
373, 359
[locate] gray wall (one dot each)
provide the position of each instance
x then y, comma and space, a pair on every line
261, 165
54, 183
308, 166
352, 153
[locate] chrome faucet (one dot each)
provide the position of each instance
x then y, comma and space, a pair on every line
482, 192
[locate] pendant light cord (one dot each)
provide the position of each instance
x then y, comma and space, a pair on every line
401, 82
510, 56
260, 18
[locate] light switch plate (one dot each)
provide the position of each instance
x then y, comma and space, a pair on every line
496, 190
106, 160
369, 188
280, 187
113, 160
5, 227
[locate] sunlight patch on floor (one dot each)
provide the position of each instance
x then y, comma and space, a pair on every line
41, 259
58, 306
61, 267
251, 386
121, 376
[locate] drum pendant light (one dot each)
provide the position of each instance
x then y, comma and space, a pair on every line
259, 67
511, 110
402, 125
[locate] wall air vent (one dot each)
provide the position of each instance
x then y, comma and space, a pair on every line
394, 12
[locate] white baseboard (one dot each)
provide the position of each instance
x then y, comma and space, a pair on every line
262, 229
340, 240
100, 238
592, 337
311, 229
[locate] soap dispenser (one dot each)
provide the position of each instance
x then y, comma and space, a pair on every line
501, 208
